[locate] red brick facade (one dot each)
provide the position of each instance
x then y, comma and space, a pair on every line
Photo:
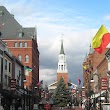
32, 51
64, 75
95, 62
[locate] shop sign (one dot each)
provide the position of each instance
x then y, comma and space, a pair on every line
13, 84
104, 84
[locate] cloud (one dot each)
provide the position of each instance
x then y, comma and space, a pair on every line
107, 17
76, 44
48, 75
50, 25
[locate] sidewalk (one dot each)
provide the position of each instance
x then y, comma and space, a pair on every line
76, 108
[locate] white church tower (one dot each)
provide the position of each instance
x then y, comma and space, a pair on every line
62, 65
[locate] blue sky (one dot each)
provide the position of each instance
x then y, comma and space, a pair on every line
77, 20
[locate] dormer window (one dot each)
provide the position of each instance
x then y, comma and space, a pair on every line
20, 34
1, 13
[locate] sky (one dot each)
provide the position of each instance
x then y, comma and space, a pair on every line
77, 20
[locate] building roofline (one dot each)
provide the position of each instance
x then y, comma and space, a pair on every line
53, 83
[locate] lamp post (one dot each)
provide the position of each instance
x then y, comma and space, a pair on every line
99, 85
22, 77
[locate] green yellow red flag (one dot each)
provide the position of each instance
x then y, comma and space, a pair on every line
101, 39
97, 40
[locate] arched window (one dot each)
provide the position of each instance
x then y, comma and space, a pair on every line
20, 44
19, 57
15, 44
61, 67
25, 44
64, 67
26, 58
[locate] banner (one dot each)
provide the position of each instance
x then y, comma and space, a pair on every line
104, 85
12, 84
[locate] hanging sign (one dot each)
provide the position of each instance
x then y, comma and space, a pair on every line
104, 85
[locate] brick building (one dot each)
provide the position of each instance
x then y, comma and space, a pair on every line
22, 43
97, 68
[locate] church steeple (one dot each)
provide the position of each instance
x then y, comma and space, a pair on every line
62, 65
62, 49
62, 70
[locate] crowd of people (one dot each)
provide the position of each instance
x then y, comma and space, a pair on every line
91, 105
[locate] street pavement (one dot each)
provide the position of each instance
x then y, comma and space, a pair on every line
76, 108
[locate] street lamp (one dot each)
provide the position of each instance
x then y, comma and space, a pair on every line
99, 85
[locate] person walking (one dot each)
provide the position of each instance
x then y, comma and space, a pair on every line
88, 104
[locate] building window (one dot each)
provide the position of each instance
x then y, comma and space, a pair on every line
19, 57
1, 13
20, 44
5, 82
5, 64
26, 58
15, 44
25, 44
9, 67
20, 34
9, 81
61, 67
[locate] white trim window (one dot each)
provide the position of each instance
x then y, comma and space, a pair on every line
25, 44
15, 44
26, 58
20, 44
19, 57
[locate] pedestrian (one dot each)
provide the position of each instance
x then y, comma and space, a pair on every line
88, 104
47, 106
83, 106
70, 104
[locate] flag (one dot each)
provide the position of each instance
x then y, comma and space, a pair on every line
73, 91
79, 81
101, 39
87, 70
85, 67
27, 68
39, 83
